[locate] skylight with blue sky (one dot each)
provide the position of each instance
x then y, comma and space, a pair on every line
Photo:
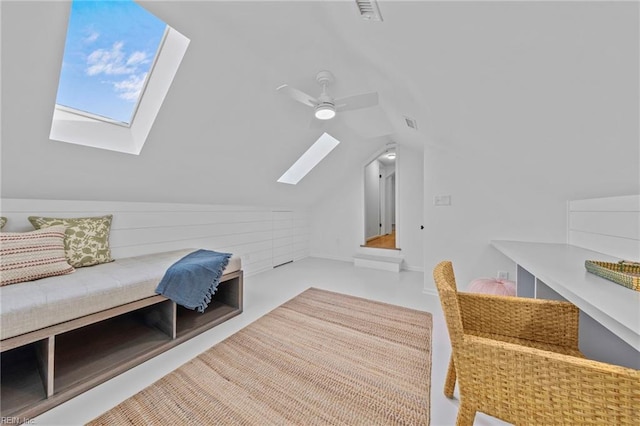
109, 52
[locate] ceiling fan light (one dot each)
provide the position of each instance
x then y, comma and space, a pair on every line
391, 155
325, 112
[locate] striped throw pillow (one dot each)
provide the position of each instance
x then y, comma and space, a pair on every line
28, 256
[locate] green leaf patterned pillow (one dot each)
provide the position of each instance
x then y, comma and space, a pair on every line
86, 240
3, 222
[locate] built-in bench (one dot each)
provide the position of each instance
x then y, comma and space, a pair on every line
98, 333
66, 334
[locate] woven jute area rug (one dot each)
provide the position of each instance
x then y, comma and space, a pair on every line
322, 358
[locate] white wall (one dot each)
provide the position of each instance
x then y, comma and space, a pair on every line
409, 198
337, 220
553, 122
262, 236
608, 225
494, 203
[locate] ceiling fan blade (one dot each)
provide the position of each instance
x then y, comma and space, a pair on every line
298, 95
357, 102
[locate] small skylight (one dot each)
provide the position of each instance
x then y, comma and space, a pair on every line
320, 149
110, 49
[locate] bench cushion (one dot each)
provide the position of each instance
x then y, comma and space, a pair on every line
37, 304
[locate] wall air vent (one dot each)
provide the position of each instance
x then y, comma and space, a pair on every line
369, 10
411, 123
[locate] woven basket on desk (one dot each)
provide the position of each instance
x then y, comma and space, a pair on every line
624, 273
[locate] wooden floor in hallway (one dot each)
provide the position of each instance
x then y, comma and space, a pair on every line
383, 241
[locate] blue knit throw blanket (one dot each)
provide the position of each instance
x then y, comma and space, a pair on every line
194, 279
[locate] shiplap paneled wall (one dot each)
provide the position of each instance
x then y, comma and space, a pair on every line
283, 244
261, 236
608, 225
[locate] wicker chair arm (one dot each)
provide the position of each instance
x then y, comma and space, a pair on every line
546, 321
524, 385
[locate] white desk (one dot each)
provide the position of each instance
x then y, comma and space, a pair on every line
610, 330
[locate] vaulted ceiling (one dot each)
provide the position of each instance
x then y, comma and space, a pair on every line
224, 135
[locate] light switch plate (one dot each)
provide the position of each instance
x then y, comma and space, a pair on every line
442, 200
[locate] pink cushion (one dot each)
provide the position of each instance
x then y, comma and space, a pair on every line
493, 286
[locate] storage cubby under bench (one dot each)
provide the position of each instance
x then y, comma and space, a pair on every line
48, 366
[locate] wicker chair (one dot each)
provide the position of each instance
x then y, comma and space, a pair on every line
517, 359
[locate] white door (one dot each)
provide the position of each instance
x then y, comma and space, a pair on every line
372, 200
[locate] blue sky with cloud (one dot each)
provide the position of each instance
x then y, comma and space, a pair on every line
109, 50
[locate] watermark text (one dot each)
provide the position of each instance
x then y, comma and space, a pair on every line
8, 420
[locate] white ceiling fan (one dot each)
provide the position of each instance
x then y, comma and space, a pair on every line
325, 107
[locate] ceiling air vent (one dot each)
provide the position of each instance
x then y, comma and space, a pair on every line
369, 10
411, 123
